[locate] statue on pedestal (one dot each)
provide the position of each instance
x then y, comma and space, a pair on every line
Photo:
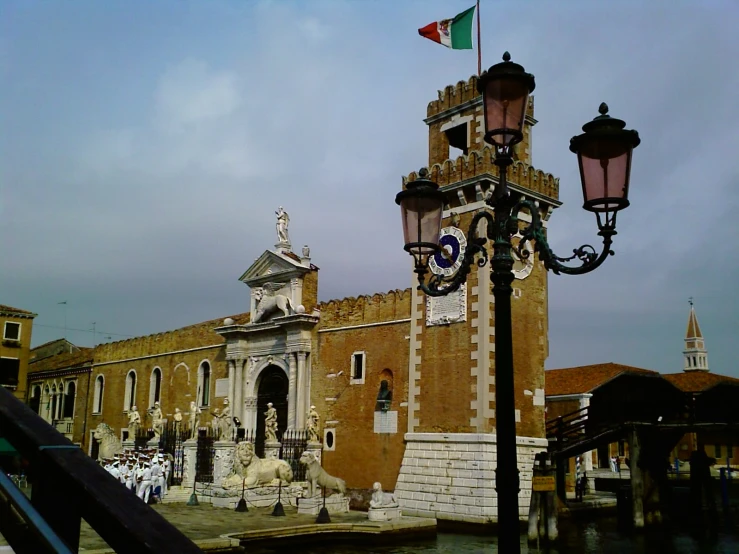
215, 423
251, 471
194, 421
226, 422
157, 420
270, 424
134, 423
313, 422
177, 417
283, 220
382, 499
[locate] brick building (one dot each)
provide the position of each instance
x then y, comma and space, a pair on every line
404, 384
15, 348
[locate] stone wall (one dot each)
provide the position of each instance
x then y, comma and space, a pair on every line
376, 325
451, 476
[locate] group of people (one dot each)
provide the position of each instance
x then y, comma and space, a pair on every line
142, 472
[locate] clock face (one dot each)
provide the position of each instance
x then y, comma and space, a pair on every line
453, 245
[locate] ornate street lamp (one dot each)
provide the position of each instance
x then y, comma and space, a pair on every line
604, 155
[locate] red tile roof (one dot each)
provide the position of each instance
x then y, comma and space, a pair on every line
698, 381
10, 309
582, 379
67, 360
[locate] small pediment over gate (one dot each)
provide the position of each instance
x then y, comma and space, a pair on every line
271, 267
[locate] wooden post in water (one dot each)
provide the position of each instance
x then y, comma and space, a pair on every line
543, 511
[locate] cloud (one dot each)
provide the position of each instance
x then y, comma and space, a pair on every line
146, 175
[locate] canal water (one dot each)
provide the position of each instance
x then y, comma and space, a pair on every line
601, 536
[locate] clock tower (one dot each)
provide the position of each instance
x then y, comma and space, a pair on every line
449, 462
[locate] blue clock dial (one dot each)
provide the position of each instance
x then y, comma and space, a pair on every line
450, 250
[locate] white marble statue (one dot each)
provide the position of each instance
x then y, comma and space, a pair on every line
194, 421
157, 420
283, 220
215, 423
270, 424
382, 499
134, 422
317, 476
253, 471
306, 251
110, 444
269, 301
226, 422
177, 417
313, 422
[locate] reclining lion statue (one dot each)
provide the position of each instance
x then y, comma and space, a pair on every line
253, 471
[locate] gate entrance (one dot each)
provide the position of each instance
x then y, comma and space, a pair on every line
273, 387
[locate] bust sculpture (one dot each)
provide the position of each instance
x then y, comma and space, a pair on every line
382, 499
384, 397
270, 424
134, 422
313, 422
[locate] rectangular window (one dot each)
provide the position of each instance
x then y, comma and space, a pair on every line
358, 368
9, 369
12, 331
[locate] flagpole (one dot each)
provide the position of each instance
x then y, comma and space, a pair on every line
479, 50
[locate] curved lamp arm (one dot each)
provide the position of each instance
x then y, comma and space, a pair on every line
437, 286
587, 256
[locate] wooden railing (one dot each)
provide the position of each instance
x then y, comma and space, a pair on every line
68, 486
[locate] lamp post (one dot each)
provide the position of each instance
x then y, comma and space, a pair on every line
604, 155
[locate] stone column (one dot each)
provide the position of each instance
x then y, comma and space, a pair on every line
272, 450
189, 462
587, 456
302, 408
231, 385
292, 394
307, 379
249, 420
238, 404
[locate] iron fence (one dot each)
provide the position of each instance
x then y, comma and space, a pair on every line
142, 438
174, 434
294, 443
205, 455
244, 435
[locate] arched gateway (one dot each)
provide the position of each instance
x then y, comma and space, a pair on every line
273, 387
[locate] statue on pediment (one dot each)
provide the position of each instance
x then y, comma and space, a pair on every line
283, 220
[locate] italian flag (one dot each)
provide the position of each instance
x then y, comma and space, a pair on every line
453, 33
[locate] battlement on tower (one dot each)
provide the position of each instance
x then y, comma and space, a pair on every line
366, 309
453, 96
481, 163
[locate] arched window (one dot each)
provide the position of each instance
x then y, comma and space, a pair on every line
155, 386
68, 411
129, 399
53, 402
204, 384
97, 404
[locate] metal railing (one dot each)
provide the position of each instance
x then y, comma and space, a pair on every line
67, 486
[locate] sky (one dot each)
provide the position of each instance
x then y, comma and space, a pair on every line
145, 147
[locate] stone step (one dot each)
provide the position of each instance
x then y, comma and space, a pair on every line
177, 494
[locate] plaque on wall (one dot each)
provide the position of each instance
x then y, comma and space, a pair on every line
444, 310
386, 422
221, 388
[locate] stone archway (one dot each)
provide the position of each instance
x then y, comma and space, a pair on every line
272, 387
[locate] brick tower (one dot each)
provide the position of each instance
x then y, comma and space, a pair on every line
449, 462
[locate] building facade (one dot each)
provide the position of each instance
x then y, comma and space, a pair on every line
404, 385
15, 348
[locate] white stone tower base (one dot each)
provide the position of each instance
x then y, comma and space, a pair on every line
451, 476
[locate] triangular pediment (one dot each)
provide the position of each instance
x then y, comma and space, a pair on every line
272, 266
